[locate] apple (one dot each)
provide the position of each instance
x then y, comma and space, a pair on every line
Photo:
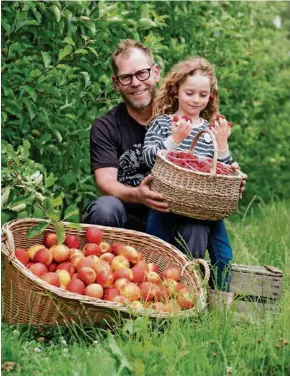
22, 255
116, 248
60, 252
77, 286
101, 266
120, 282
172, 306
120, 262
91, 249
186, 299
131, 291
105, 247
75, 260
171, 272
50, 239
170, 286
52, 267
38, 269
64, 278
105, 278
110, 294
153, 267
94, 290
130, 253
152, 277
87, 262
123, 273
33, 249
72, 241
51, 278
44, 256
138, 273
68, 266
75, 252
108, 257
87, 275
147, 291
94, 235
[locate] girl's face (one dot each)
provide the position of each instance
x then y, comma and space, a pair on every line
193, 95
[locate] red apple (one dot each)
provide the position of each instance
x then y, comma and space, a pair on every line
171, 272
152, 277
186, 299
170, 286
75, 252
38, 269
108, 257
147, 291
153, 267
138, 273
131, 291
44, 256
92, 249
105, 278
158, 306
75, 260
22, 255
52, 267
123, 273
116, 248
120, 282
110, 294
136, 305
77, 286
87, 262
105, 247
50, 239
121, 299
94, 290
51, 278
87, 275
94, 235
68, 266
72, 241
60, 252
120, 262
130, 253
33, 249
172, 306
101, 266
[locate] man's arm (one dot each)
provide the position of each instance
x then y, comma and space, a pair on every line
106, 180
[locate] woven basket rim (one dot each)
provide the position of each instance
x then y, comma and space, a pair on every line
83, 299
162, 154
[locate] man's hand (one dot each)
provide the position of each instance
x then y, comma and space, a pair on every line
149, 198
235, 166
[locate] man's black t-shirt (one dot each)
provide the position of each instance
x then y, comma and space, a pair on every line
116, 140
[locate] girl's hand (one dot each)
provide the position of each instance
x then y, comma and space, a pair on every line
222, 131
180, 130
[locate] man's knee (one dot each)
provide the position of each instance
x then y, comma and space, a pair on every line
106, 211
196, 238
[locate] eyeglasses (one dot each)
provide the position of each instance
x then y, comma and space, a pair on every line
141, 75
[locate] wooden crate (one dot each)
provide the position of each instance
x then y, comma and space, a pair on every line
257, 289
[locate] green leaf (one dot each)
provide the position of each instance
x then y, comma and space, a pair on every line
28, 198
71, 211
13, 108
76, 226
58, 136
147, 22
72, 117
87, 78
56, 12
45, 137
69, 40
37, 230
50, 180
30, 108
46, 59
5, 196
57, 201
18, 208
26, 146
81, 51
53, 215
93, 51
31, 92
64, 52
60, 232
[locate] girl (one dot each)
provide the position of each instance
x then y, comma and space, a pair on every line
190, 91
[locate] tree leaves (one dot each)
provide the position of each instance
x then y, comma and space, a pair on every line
37, 230
64, 52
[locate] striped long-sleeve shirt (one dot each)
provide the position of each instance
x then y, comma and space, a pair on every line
159, 137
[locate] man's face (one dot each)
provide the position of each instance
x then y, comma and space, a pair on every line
138, 94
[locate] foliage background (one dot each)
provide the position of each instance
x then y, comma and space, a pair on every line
56, 79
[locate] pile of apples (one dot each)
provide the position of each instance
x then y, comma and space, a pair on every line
116, 273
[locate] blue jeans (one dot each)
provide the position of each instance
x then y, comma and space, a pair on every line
198, 235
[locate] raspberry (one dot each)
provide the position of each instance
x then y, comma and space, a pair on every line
175, 118
187, 118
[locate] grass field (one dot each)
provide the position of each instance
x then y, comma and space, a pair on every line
214, 344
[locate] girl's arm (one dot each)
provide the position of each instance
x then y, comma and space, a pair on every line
156, 139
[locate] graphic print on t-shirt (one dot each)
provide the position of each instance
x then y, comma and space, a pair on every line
129, 166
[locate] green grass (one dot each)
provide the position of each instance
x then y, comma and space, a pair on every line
214, 344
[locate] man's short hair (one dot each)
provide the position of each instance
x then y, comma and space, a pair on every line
125, 47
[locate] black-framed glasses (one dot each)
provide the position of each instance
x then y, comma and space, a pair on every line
141, 75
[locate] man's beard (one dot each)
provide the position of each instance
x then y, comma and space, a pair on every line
139, 105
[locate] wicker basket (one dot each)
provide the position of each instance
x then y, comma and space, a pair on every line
194, 194
30, 300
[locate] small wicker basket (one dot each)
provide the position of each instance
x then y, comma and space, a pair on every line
195, 194
30, 300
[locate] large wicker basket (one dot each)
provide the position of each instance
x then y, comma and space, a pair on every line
29, 300
195, 194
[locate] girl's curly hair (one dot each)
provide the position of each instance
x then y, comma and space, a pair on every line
166, 103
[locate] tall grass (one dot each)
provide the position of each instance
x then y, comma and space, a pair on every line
214, 344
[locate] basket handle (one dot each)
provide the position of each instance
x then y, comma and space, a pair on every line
7, 242
200, 262
215, 148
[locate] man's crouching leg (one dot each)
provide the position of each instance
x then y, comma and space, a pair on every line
106, 211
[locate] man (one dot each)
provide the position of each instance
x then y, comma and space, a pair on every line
116, 143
